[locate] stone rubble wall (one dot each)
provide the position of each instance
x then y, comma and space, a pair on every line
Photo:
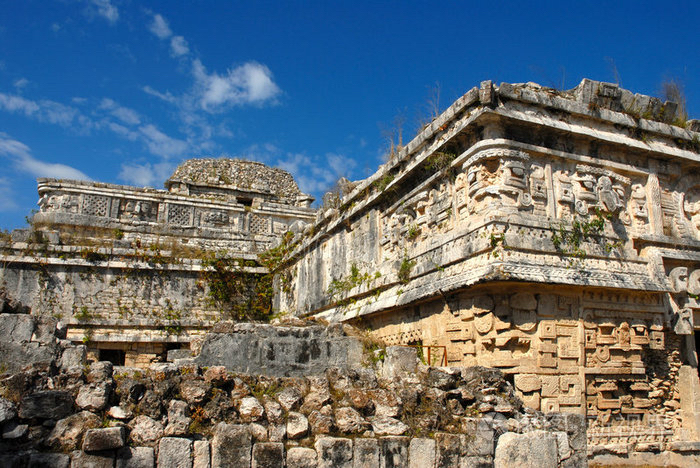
395, 412
202, 176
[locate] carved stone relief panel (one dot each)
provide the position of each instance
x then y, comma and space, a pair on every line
138, 210
498, 176
180, 215
538, 189
681, 208
638, 209
59, 203
96, 205
214, 218
258, 224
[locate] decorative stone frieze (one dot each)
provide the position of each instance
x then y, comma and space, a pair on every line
553, 235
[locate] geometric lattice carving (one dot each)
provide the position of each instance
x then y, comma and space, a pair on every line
179, 214
95, 205
258, 224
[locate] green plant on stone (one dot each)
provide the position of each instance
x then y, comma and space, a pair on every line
340, 287
83, 314
497, 241
404, 273
413, 232
569, 239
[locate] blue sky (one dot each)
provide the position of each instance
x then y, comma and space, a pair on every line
121, 91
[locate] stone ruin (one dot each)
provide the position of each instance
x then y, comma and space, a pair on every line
122, 266
302, 395
551, 235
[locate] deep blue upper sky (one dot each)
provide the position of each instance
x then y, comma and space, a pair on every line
121, 91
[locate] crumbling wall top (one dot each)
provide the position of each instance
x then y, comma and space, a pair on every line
235, 174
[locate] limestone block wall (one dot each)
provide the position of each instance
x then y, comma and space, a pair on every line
138, 308
550, 234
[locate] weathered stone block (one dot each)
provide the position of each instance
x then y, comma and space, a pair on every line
16, 327
387, 426
268, 455
394, 452
100, 371
250, 409
421, 453
107, 438
288, 351
80, 459
174, 452
201, 454
145, 430
14, 430
68, 433
297, 425
398, 361
48, 404
178, 422
94, 397
530, 450
301, 457
231, 446
479, 437
49, 460
75, 356
290, 398
366, 453
334, 452
449, 450
349, 421
7, 410
135, 457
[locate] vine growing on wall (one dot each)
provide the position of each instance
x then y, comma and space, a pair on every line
569, 239
244, 294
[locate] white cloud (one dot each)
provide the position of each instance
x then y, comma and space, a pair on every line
250, 83
43, 110
7, 195
167, 97
160, 27
157, 142
179, 46
20, 155
161, 144
147, 174
105, 9
316, 175
126, 115
20, 83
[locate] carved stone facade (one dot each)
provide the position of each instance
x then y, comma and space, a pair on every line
552, 235
122, 266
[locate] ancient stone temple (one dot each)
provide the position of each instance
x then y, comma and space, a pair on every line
552, 235
121, 266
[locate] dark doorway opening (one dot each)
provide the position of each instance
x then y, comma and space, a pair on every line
115, 356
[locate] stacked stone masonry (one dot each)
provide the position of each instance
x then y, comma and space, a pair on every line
552, 235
